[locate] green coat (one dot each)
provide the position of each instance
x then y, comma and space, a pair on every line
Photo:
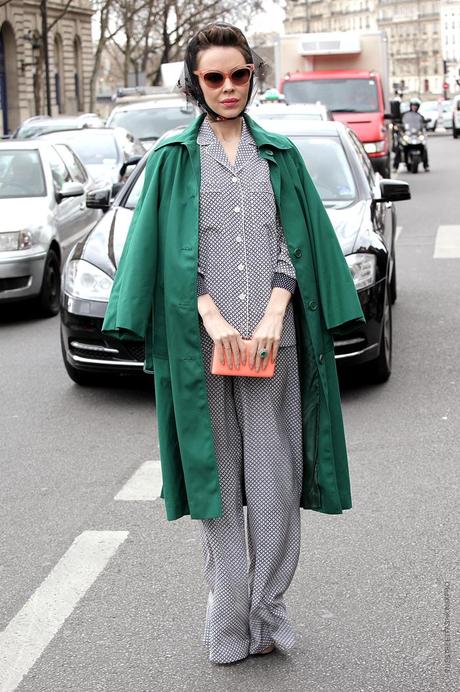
154, 297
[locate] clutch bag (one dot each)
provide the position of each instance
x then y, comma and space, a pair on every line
244, 370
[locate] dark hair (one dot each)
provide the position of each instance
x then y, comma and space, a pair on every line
217, 34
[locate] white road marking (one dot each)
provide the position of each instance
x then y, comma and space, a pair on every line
144, 485
30, 631
447, 244
398, 233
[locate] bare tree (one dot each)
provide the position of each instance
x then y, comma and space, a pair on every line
156, 31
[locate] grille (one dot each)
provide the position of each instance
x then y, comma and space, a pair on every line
16, 282
135, 350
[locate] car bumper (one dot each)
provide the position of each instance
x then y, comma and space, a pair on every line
363, 344
21, 275
87, 349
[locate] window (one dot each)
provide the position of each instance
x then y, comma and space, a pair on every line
73, 164
21, 174
365, 161
58, 168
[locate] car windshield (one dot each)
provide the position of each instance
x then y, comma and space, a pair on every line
287, 116
21, 174
30, 130
151, 123
328, 166
339, 95
94, 148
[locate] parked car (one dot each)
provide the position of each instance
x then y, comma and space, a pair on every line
148, 120
104, 151
38, 124
42, 206
358, 201
455, 116
296, 111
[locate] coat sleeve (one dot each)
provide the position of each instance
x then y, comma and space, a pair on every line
339, 300
129, 308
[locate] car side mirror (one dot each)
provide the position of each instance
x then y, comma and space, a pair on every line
116, 187
99, 199
132, 161
69, 189
393, 191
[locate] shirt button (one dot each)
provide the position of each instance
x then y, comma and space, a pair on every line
320, 357
234, 179
297, 251
241, 267
242, 296
313, 305
237, 210
238, 239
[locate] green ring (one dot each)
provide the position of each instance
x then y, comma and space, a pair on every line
263, 353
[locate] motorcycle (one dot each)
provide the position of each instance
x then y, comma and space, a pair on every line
413, 144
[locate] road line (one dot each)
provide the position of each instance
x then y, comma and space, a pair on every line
144, 485
398, 233
447, 244
31, 630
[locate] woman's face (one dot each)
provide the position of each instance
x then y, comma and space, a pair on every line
229, 99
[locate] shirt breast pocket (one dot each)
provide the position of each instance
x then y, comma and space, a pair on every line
216, 209
263, 205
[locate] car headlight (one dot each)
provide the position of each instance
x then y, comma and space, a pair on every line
17, 240
374, 147
363, 267
84, 280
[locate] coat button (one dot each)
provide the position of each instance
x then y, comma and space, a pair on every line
313, 305
298, 252
269, 152
320, 357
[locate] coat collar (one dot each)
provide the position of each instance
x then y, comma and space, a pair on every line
261, 137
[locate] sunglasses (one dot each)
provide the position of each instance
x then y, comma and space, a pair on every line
214, 79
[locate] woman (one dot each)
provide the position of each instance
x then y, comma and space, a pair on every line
229, 242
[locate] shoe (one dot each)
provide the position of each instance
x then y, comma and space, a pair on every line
267, 650
427, 169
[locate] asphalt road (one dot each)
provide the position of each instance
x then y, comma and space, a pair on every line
98, 593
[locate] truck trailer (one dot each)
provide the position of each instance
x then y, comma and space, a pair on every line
348, 72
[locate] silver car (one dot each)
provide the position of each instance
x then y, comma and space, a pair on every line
43, 210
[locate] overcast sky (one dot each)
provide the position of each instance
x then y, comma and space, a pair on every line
270, 20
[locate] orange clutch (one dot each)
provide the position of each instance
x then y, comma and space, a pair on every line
244, 370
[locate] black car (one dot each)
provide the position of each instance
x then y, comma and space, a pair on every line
359, 203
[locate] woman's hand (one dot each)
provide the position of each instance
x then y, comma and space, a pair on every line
267, 334
227, 339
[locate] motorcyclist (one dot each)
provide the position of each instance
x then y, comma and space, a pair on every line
415, 121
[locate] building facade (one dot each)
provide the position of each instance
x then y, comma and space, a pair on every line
450, 37
423, 35
23, 81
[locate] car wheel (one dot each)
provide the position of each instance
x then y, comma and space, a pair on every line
455, 133
48, 298
379, 369
414, 165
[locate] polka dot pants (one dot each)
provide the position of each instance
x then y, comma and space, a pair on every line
258, 438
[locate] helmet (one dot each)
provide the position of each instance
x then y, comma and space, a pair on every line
415, 102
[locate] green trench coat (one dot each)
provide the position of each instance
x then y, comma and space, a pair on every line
154, 298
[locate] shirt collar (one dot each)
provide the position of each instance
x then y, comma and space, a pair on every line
206, 134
